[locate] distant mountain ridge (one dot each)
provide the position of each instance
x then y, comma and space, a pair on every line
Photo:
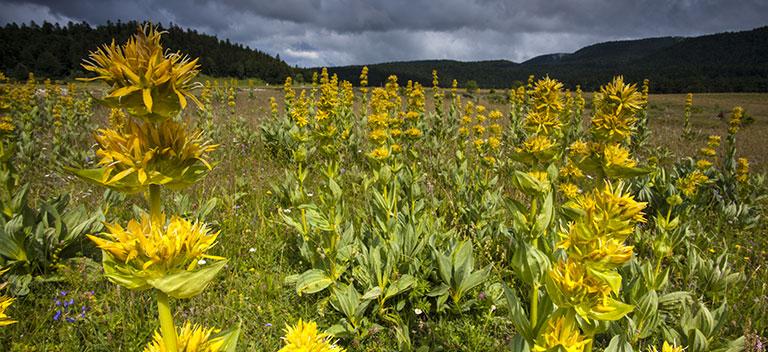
722, 62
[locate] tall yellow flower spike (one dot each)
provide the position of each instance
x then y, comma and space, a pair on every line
144, 79
304, 337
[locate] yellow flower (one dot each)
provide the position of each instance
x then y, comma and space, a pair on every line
576, 287
707, 152
666, 347
151, 245
579, 148
561, 332
615, 154
379, 153
378, 135
145, 79
495, 129
742, 170
547, 97
290, 94
413, 132
713, 141
304, 337
571, 170
542, 122
139, 155
412, 115
489, 160
703, 164
191, 338
494, 143
539, 175
466, 120
5, 302
479, 129
6, 125
537, 144
396, 148
495, 115
463, 131
569, 190
691, 182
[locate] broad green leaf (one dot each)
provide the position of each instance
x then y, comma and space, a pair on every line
186, 284
312, 281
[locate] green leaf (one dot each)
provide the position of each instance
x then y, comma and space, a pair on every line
619, 344
519, 318
611, 310
186, 284
312, 281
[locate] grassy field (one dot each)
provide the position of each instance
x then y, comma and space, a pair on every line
262, 251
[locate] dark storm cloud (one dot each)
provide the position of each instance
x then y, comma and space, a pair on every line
324, 32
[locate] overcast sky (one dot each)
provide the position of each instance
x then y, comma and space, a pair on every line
344, 32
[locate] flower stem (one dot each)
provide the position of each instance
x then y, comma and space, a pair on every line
534, 304
154, 202
167, 328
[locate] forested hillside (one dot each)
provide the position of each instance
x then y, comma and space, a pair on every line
723, 62
51, 50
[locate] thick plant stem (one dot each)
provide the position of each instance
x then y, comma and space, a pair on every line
534, 304
154, 202
167, 328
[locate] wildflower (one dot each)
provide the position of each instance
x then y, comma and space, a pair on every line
418, 311
304, 336
579, 148
494, 143
378, 135
703, 164
379, 153
742, 170
396, 148
193, 338
571, 170
691, 182
569, 190
5, 302
615, 154
615, 108
141, 254
139, 155
713, 141
666, 347
252, 250
734, 122
707, 152
144, 79
561, 334
413, 132
537, 144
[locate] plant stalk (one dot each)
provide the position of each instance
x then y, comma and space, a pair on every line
167, 328
154, 202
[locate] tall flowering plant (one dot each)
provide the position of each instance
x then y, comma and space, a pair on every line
149, 151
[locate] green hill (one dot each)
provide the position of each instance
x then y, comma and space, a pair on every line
55, 51
723, 62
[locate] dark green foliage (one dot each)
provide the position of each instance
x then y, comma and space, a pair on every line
56, 51
724, 62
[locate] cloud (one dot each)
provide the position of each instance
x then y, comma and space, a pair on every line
342, 32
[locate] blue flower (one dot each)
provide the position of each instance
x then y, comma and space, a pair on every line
57, 316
